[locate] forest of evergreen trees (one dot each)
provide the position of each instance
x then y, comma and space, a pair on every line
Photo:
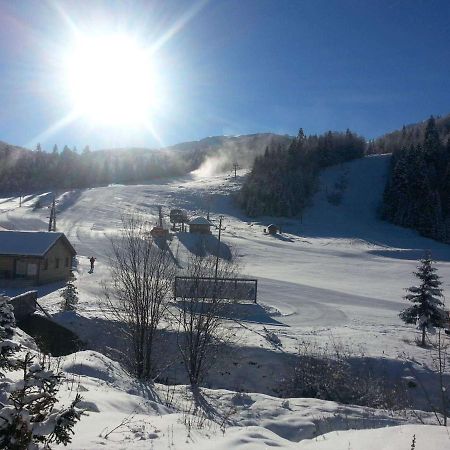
409, 135
24, 171
283, 179
417, 193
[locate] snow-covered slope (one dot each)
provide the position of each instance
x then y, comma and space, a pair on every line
122, 414
341, 270
337, 275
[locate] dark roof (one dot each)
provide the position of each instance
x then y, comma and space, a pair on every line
30, 243
200, 221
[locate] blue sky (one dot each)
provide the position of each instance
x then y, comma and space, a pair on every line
233, 67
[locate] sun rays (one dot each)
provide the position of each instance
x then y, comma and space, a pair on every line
112, 79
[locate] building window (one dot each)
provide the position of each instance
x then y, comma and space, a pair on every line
56, 263
67, 262
45, 264
21, 269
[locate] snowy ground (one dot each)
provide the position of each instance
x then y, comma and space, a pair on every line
339, 275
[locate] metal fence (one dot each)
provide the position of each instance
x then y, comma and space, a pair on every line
238, 289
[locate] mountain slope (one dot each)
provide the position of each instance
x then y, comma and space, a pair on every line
25, 171
411, 134
337, 278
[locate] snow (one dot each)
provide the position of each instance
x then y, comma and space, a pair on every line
338, 275
200, 221
30, 243
230, 420
392, 438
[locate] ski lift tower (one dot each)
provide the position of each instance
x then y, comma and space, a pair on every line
159, 231
235, 168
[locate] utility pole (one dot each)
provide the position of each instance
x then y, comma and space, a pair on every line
52, 218
160, 215
207, 202
54, 214
218, 250
50, 221
235, 168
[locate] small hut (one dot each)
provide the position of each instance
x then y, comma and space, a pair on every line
272, 229
34, 257
200, 225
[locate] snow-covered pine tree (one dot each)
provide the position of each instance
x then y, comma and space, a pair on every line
28, 416
7, 346
427, 310
70, 296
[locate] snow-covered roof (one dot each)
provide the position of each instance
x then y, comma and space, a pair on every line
200, 221
29, 243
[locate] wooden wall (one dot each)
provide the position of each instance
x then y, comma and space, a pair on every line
53, 273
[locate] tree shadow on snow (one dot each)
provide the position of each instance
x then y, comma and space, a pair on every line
411, 254
42, 290
202, 245
240, 312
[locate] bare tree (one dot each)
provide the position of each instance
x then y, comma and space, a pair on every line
201, 314
142, 278
440, 360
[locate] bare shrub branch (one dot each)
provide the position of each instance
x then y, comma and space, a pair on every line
200, 320
142, 278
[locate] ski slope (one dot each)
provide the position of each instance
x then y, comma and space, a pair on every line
337, 275
339, 270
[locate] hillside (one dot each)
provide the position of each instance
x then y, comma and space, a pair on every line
411, 134
283, 179
337, 278
417, 193
23, 171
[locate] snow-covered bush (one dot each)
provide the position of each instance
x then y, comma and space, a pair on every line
335, 373
29, 418
7, 324
70, 296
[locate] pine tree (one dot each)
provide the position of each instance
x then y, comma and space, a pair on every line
427, 310
7, 346
29, 417
70, 296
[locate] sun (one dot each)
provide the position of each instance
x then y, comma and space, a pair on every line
111, 80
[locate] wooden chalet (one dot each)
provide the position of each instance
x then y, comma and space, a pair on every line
34, 257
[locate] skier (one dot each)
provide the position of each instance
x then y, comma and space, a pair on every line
92, 261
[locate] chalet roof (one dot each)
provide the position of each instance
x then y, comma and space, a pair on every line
30, 243
200, 221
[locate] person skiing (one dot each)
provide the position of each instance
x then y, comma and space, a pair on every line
92, 261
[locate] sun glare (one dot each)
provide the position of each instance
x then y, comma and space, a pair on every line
111, 80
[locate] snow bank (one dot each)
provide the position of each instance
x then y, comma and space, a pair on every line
393, 438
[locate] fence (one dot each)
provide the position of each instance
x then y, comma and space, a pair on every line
238, 289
